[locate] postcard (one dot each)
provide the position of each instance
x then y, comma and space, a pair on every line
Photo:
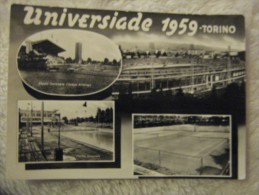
105, 94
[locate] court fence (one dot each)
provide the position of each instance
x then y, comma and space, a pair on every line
214, 162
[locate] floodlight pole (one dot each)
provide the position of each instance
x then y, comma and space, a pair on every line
59, 132
42, 127
31, 120
58, 150
28, 120
152, 75
98, 120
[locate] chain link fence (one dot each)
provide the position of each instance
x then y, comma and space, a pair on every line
212, 161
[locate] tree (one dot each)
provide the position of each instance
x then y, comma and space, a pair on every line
78, 119
158, 54
65, 119
164, 54
98, 115
114, 62
89, 60
106, 61
110, 115
69, 60
91, 119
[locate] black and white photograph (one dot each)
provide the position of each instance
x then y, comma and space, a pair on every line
70, 68
182, 145
66, 131
154, 64
190, 72
68, 62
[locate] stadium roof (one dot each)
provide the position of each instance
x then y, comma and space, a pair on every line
46, 46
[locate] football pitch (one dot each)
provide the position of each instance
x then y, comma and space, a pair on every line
183, 149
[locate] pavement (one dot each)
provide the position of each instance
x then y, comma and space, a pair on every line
28, 149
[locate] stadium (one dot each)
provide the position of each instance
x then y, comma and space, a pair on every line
182, 145
50, 64
194, 71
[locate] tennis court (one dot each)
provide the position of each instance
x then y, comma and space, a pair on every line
184, 149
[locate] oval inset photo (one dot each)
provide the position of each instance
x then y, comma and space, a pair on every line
69, 62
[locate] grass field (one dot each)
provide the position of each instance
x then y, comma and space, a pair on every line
182, 151
66, 82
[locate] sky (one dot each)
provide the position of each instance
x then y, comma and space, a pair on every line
205, 40
70, 109
94, 45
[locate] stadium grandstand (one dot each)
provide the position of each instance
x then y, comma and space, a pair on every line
192, 71
39, 55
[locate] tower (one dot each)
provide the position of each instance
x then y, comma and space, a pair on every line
78, 53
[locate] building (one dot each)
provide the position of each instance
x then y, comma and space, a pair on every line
39, 55
45, 46
34, 117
